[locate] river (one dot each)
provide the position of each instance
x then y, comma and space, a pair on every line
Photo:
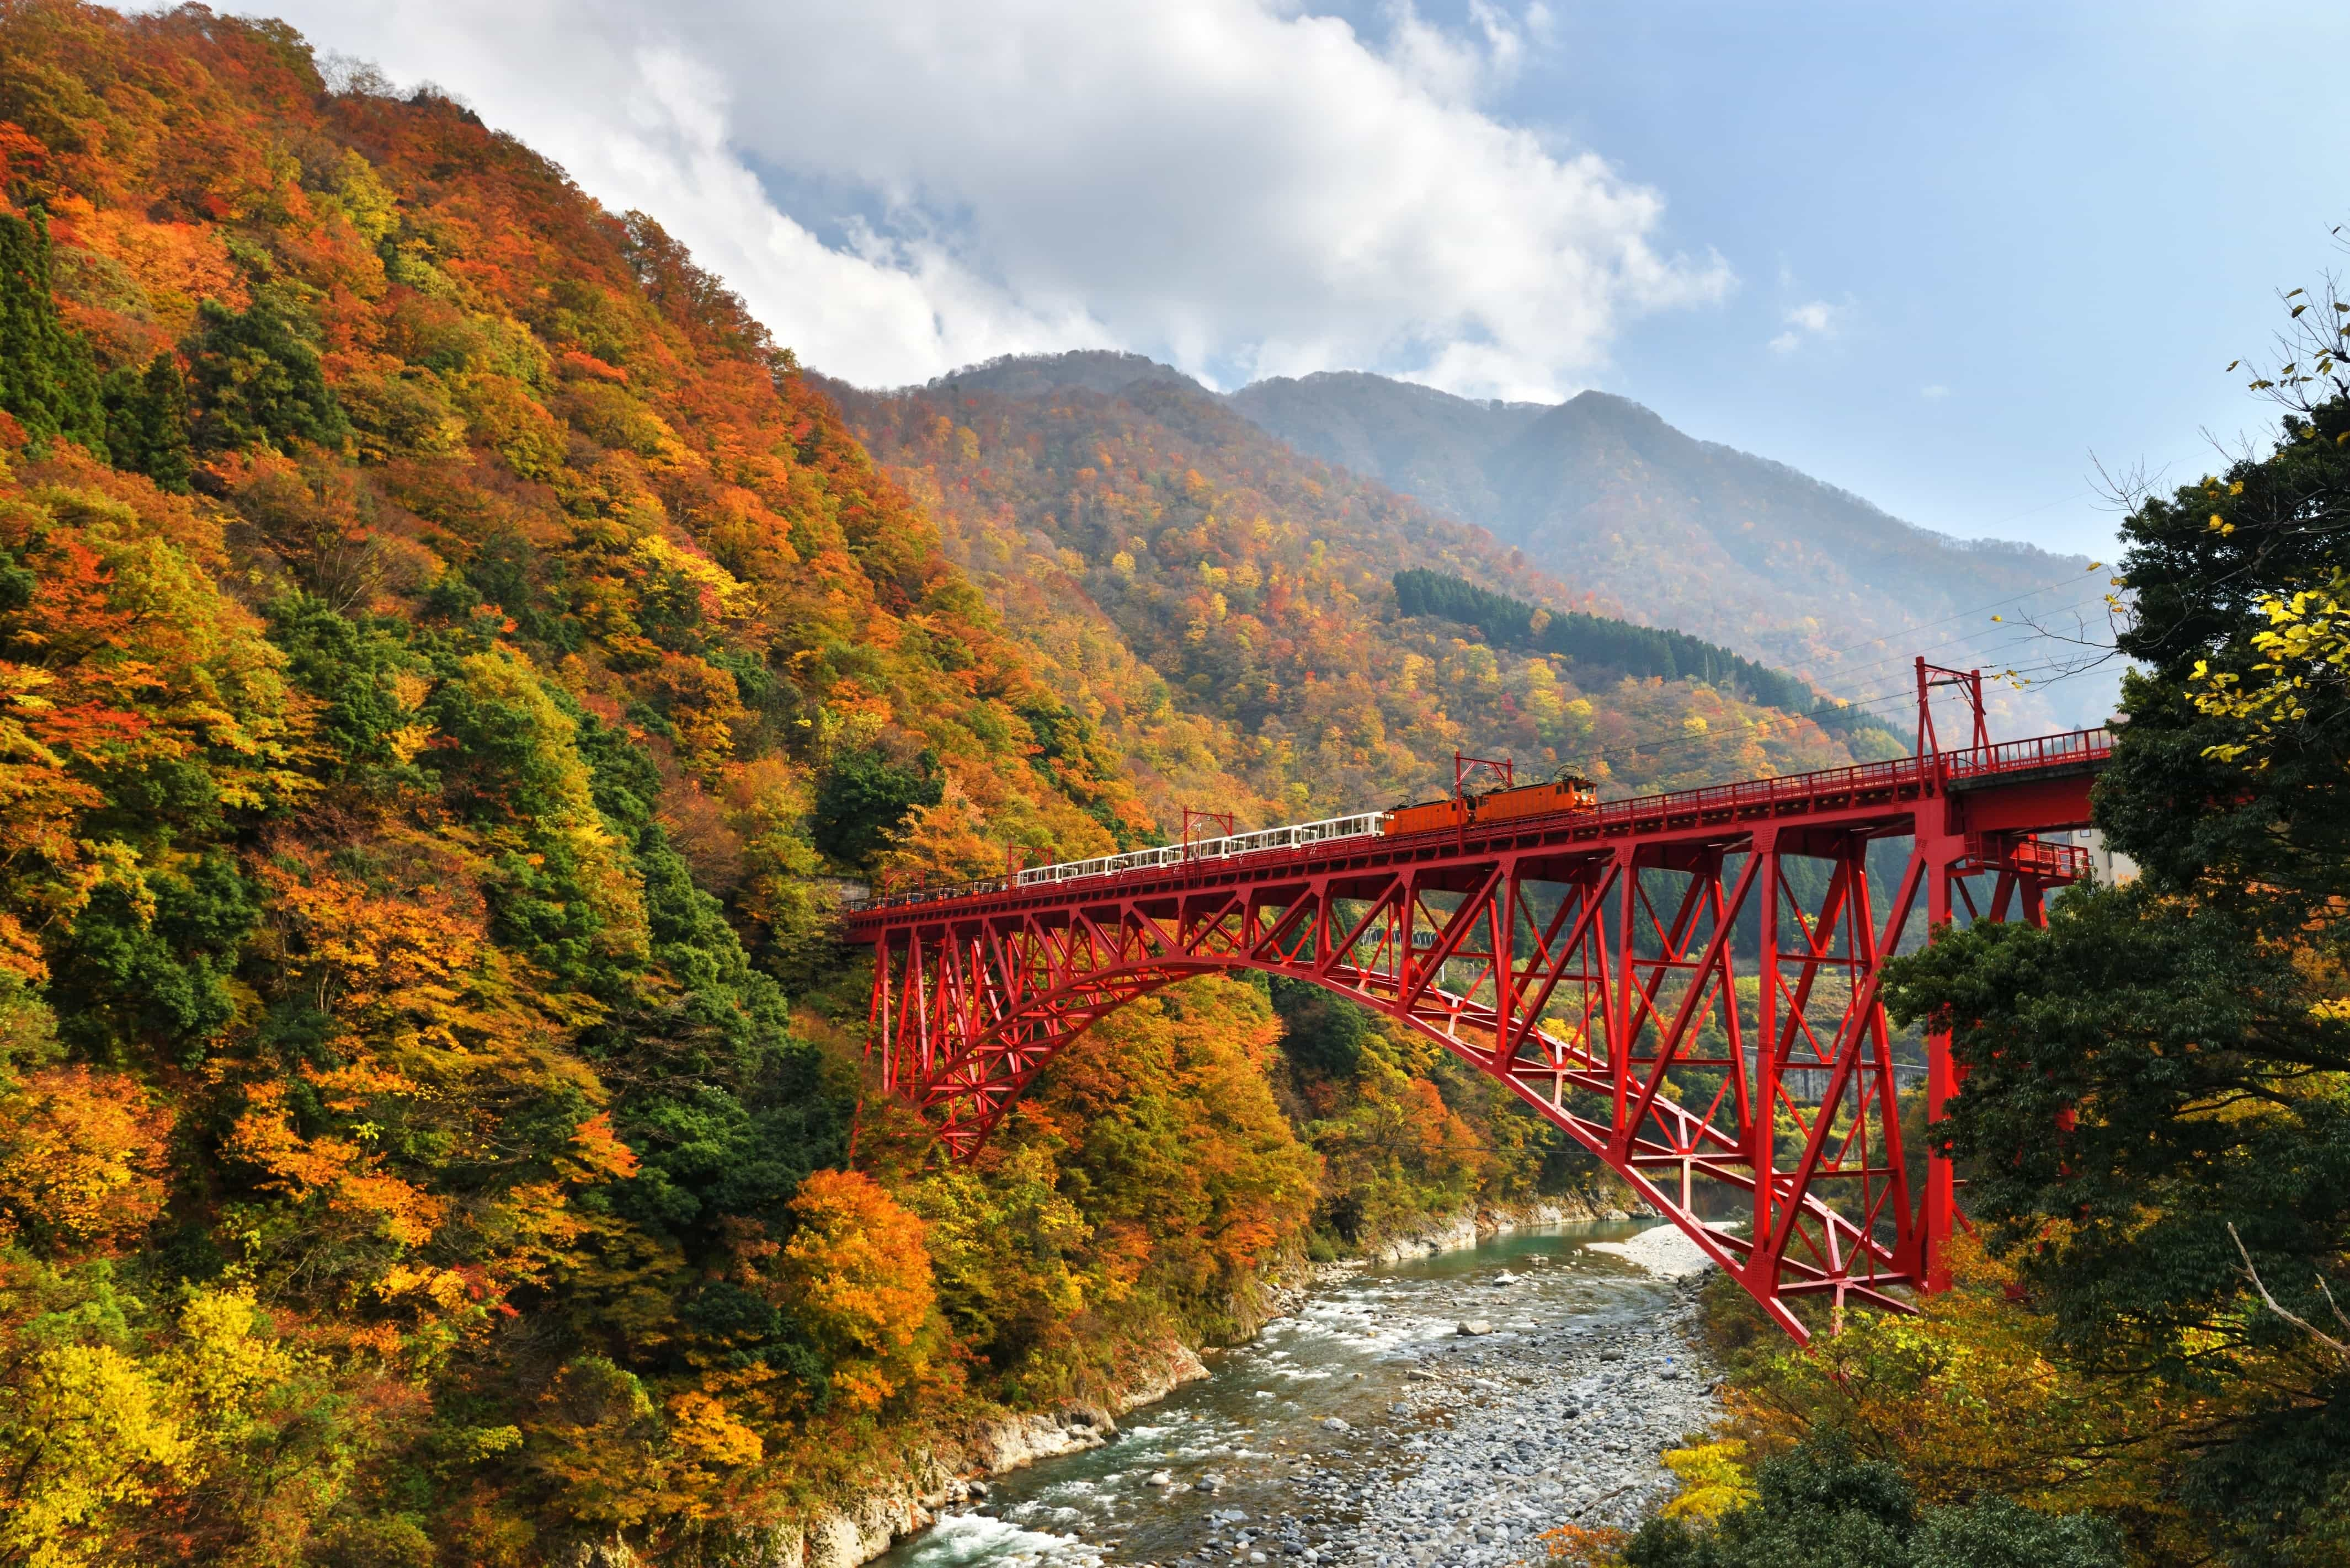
1368, 1429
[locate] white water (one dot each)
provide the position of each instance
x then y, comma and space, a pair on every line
1254, 1430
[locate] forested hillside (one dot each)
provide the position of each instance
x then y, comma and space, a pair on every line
1205, 594
1605, 642
450, 663
1603, 494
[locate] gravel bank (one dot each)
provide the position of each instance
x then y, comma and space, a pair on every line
1425, 1416
1501, 1437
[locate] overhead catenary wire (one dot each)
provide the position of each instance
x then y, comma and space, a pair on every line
1849, 671
1961, 615
1668, 741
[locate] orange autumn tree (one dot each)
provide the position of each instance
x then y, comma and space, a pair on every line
82, 1159
857, 1275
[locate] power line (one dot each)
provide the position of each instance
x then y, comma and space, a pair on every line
1958, 615
1662, 742
1851, 669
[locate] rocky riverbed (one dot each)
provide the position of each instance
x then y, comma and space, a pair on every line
1439, 1411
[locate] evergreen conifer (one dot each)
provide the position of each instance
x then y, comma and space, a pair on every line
47, 377
146, 421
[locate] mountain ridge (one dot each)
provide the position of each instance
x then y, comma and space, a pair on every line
1184, 574
1609, 497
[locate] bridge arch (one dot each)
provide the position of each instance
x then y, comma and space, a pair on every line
1687, 985
972, 1091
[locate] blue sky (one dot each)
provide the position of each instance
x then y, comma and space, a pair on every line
1937, 255
2043, 230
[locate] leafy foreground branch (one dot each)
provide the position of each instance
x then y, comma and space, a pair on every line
2153, 1127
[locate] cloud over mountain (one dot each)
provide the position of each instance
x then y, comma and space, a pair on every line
1233, 185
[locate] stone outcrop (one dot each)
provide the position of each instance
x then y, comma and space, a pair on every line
1460, 1231
849, 1537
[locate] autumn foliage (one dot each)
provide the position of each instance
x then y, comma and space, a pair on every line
452, 666
1225, 610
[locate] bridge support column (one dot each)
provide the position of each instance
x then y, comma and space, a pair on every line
1763, 1120
2020, 882
1935, 1226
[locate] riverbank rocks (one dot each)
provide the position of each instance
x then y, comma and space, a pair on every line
1455, 1232
1154, 1375
1452, 1235
1015, 1440
1506, 1439
1471, 1328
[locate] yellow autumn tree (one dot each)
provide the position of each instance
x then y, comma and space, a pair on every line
1970, 1397
89, 1438
857, 1275
81, 1158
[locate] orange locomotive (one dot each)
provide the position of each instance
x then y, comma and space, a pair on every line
1568, 791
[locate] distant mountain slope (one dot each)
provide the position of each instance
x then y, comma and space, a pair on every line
1206, 593
1084, 370
1422, 442
1602, 493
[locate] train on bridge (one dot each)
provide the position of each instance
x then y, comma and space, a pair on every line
1566, 792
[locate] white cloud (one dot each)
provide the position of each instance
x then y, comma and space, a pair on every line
1816, 320
901, 189
1934, 392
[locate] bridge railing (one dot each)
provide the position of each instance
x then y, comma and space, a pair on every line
2078, 746
1747, 794
2043, 752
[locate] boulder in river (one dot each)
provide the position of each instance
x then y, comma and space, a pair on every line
1470, 1327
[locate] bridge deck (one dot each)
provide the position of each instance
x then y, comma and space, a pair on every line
1840, 792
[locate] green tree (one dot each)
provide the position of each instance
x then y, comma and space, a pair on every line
862, 799
47, 377
1820, 1505
146, 421
2165, 1068
1322, 1034
259, 381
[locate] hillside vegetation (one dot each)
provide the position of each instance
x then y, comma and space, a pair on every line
451, 663
1202, 592
1604, 642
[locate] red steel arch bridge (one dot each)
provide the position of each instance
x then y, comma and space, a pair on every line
1686, 983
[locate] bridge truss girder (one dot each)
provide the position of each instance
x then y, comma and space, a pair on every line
1601, 983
